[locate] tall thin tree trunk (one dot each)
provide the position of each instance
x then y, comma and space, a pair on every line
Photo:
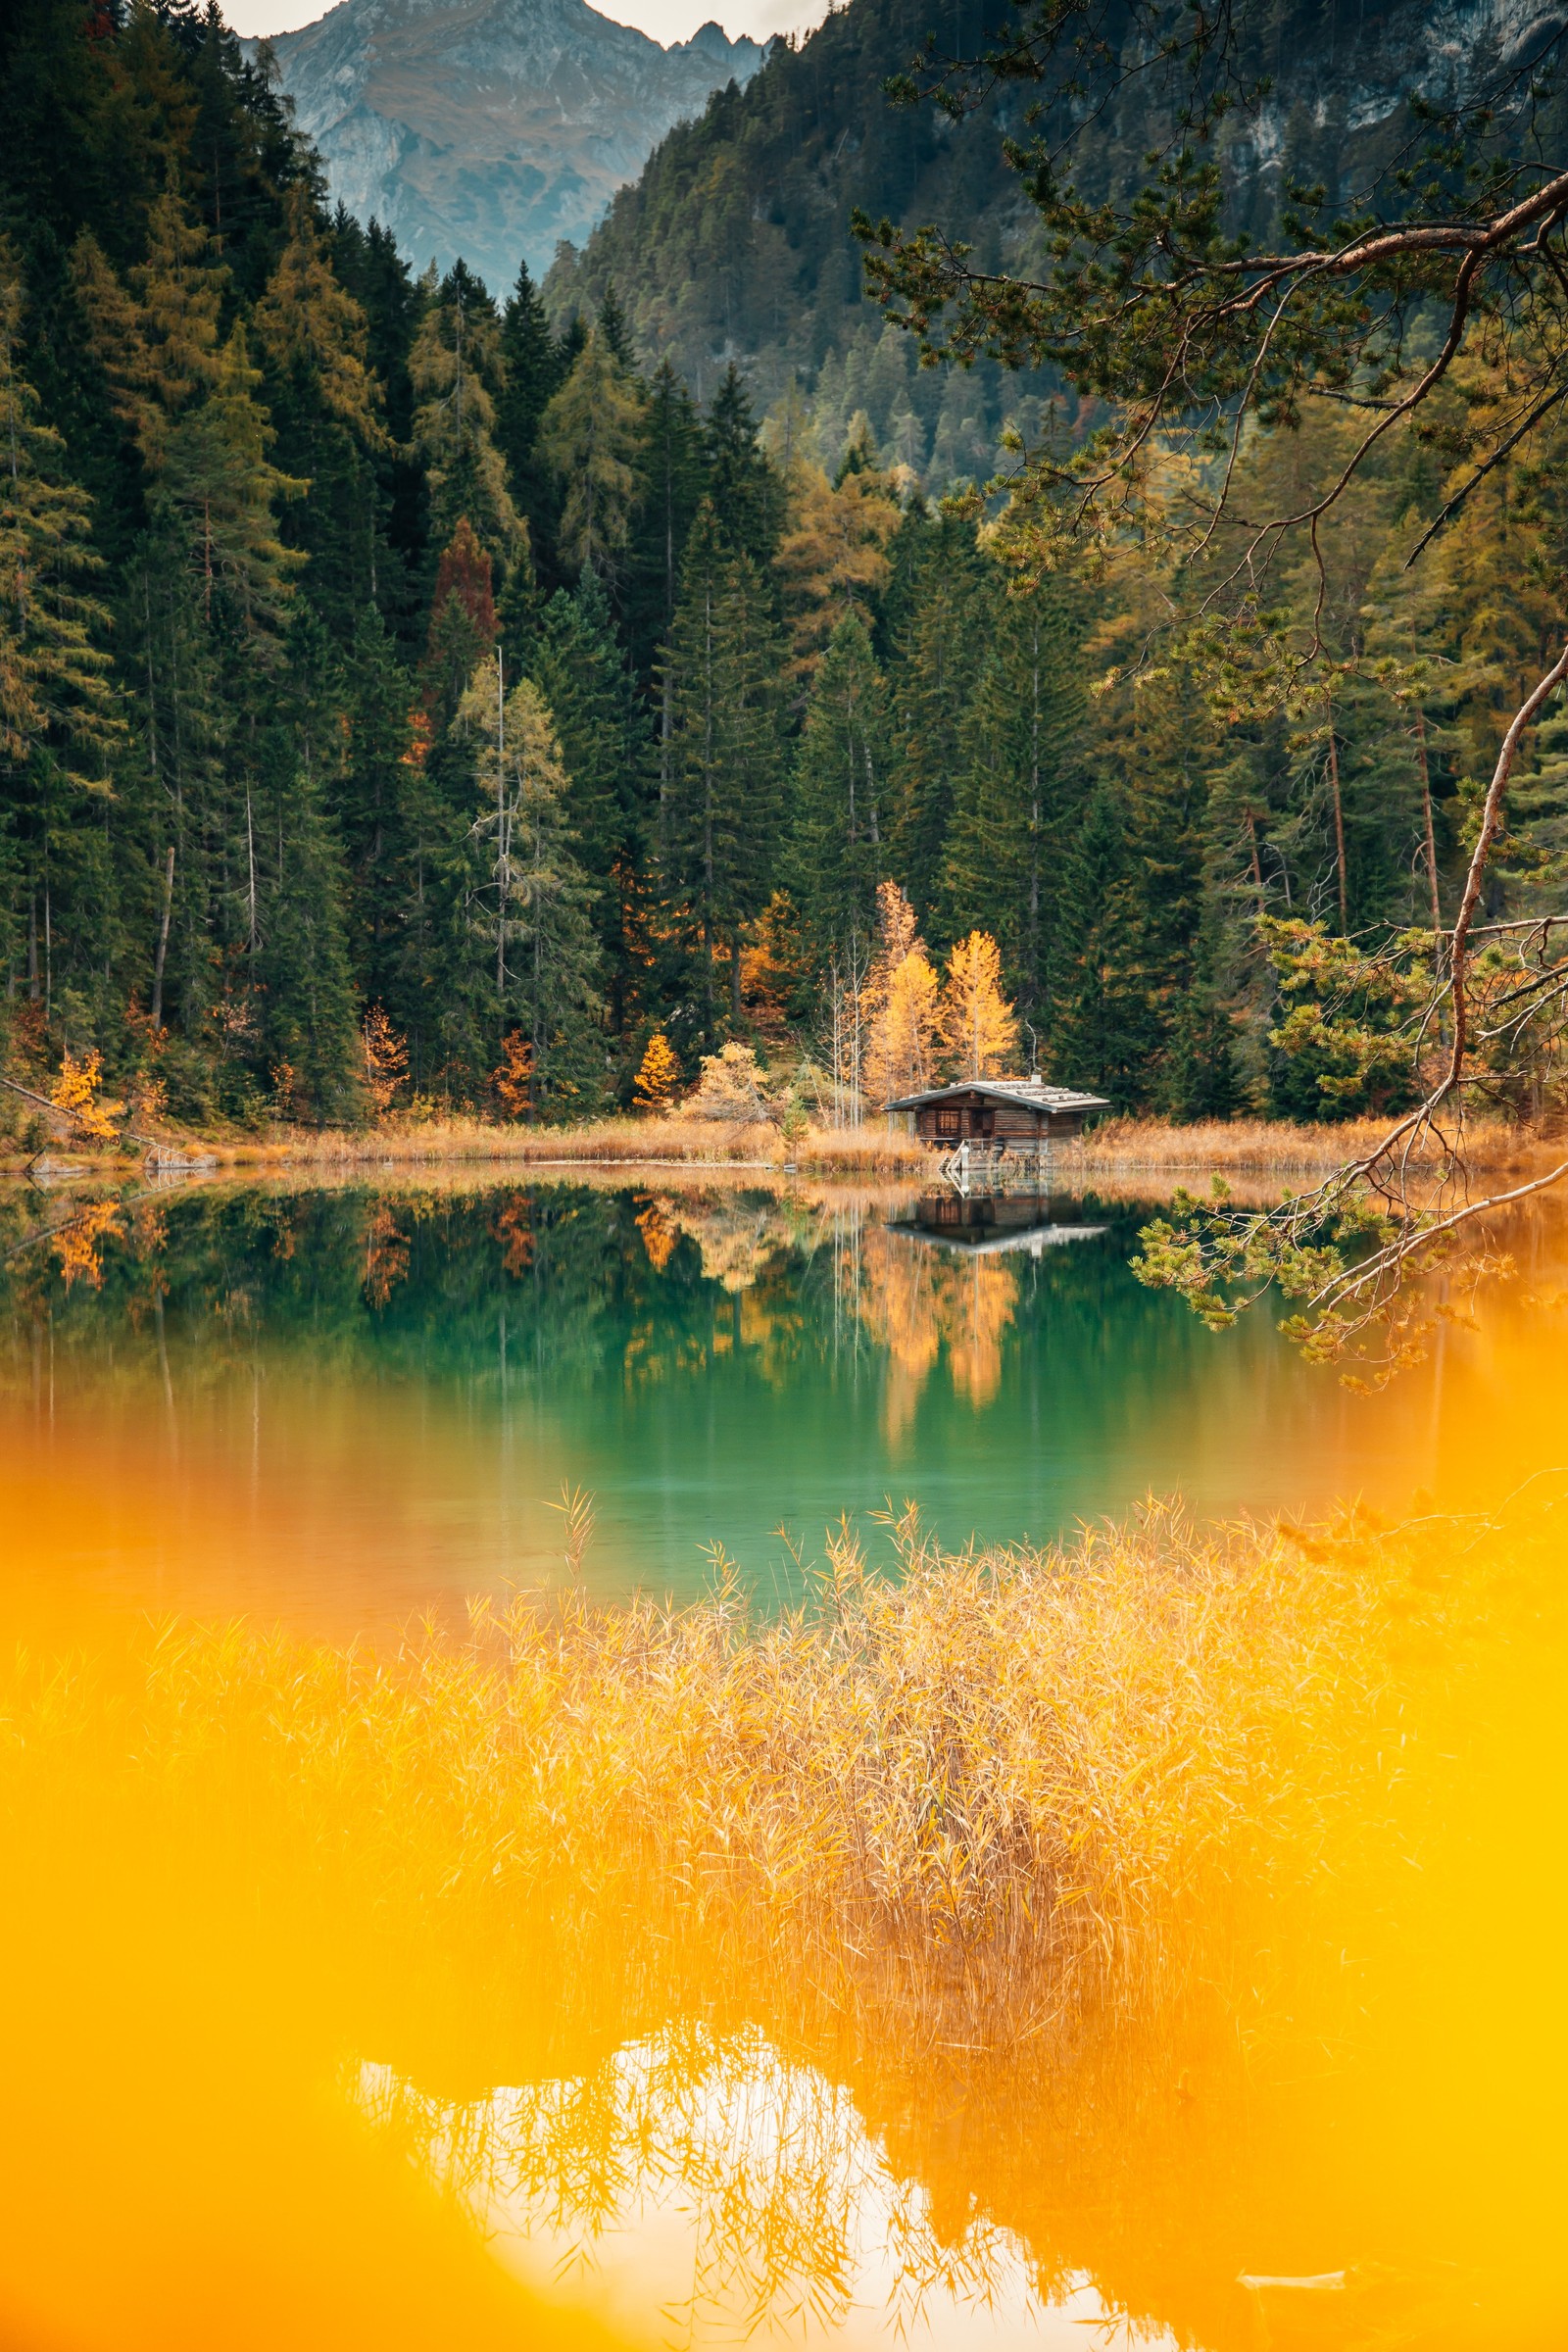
156, 1013
1339, 824
1426, 814
707, 821
502, 876
1257, 864
1033, 960
32, 946
250, 860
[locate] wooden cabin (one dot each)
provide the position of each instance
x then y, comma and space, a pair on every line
1014, 1114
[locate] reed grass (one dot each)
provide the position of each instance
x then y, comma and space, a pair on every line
639, 1142
941, 1810
1266, 1145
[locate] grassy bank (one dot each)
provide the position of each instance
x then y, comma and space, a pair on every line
1257, 1147
1119, 1148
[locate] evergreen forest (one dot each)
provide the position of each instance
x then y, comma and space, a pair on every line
413, 697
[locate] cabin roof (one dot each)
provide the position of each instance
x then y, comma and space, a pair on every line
1031, 1094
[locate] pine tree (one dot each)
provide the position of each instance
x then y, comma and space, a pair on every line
839, 784
58, 729
747, 495
603, 731
1101, 1031
534, 374
527, 897
458, 374
724, 662
589, 437
943, 609
1019, 782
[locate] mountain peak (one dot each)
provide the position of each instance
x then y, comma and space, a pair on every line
492, 129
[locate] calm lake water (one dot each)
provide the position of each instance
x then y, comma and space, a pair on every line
342, 1405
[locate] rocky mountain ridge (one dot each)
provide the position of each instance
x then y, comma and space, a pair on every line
734, 243
491, 129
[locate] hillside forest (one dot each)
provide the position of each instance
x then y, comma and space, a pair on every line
413, 699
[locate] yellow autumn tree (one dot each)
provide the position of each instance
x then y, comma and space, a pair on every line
75, 1092
513, 1076
658, 1075
978, 1027
833, 558
386, 1060
902, 1048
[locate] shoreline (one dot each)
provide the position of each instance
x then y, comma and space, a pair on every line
1119, 1148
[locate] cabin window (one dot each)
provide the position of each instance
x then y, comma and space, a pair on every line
947, 1120
982, 1122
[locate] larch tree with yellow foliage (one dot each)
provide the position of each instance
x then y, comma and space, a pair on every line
833, 559
906, 1030
903, 1003
978, 1027
658, 1074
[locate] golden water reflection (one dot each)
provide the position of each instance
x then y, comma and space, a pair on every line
698, 2190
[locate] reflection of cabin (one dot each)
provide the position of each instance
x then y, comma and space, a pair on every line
1021, 1115
988, 1223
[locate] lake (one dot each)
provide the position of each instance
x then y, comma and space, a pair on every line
278, 1962
340, 1405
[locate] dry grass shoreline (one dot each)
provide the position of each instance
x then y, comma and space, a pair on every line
1116, 1148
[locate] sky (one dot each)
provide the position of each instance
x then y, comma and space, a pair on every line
665, 19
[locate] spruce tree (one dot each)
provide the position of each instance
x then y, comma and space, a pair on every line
840, 786
942, 602
590, 436
613, 331
603, 731
1100, 1032
369, 789
1020, 783
719, 821
669, 486
534, 374
525, 898
747, 495
326, 408
458, 373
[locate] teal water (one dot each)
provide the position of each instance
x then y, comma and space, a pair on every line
346, 1404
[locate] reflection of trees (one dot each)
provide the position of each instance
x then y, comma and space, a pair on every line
78, 1246
736, 1233
568, 1285
915, 1300
386, 1255
793, 2212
